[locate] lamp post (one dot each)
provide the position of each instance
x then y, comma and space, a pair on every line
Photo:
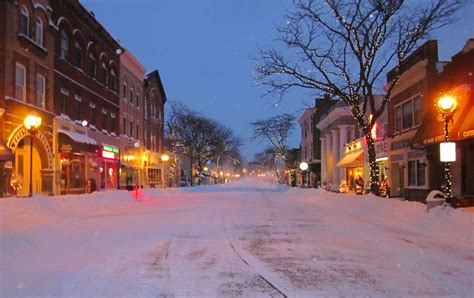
447, 105
164, 159
31, 123
304, 167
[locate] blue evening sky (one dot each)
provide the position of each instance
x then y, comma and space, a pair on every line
202, 49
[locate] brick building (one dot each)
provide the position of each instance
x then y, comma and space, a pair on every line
26, 86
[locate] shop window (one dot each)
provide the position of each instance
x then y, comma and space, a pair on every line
40, 91
20, 82
64, 51
24, 21
64, 100
416, 173
39, 32
92, 65
78, 56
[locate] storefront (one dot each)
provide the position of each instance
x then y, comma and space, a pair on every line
109, 157
77, 155
352, 163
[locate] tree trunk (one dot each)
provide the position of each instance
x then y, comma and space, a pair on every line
374, 169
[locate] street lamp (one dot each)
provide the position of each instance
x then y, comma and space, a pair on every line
447, 105
164, 159
32, 123
303, 167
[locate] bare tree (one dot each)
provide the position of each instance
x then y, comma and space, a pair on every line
276, 131
271, 160
345, 48
201, 138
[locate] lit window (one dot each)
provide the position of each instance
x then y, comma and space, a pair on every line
40, 91
20, 82
39, 32
24, 21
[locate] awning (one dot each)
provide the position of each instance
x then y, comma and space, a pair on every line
69, 142
80, 138
351, 159
5, 152
466, 130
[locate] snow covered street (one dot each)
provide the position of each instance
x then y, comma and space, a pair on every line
246, 239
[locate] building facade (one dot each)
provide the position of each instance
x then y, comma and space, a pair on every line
59, 63
411, 98
132, 105
456, 78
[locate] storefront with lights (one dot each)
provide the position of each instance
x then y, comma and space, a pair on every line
109, 157
352, 163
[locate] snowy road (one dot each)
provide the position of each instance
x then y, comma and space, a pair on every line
244, 239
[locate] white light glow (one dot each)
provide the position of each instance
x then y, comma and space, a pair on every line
447, 152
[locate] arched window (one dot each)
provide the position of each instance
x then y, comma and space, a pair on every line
103, 69
78, 56
92, 65
131, 95
24, 20
64, 53
39, 32
113, 82
124, 91
138, 99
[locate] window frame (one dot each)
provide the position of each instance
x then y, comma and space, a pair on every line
42, 103
23, 87
79, 54
24, 13
64, 100
39, 34
64, 45
399, 107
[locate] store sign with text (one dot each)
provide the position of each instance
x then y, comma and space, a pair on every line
109, 152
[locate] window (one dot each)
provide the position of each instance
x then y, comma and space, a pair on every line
124, 132
137, 130
39, 32
93, 114
78, 102
40, 91
64, 100
64, 53
24, 21
416, 173
417, 110
124, 87
138, 100
104, 119
93, 66
78, 57
407, 115
145, 108
398, 118
103, 69
112, 122
131, 95
112, 80
131, 129
20, 82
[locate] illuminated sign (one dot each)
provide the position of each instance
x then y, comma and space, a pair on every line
110, 152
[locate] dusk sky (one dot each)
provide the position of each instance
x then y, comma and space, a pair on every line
202, 49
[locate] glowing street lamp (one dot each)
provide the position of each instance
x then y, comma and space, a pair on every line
32, 124
303, 167
447, 105
164, 158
